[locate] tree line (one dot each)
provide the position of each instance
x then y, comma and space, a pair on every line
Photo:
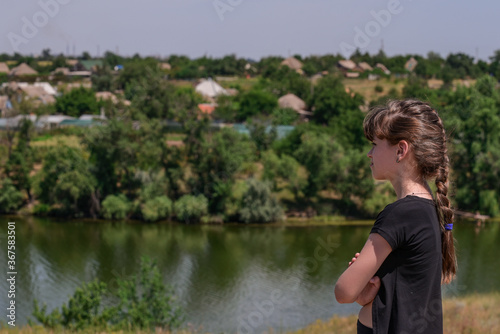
433, 65
125, 168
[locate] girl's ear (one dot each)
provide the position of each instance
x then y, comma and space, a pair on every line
403, 149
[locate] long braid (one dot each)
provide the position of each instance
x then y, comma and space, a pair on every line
445, 214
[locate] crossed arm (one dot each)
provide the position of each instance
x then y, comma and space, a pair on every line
358, 283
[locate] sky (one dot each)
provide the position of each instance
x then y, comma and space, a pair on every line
250, 28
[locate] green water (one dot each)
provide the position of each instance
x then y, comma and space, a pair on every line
228, 278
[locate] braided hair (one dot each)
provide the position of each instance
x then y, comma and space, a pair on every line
419, 124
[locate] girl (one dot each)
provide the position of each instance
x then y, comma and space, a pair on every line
397, 275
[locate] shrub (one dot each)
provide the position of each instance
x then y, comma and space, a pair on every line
10, 198
190, 208
145, 303
41, 209
379, 89
156, 208
258, 204
115, 207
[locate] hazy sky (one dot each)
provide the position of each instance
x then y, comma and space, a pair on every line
250, 28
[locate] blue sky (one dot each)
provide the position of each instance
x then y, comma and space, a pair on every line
250, 28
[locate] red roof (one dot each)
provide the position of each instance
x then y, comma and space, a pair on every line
206, 108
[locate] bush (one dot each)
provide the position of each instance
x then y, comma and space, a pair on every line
156, 208
10, 198
115, 207
41, 209
190, 208
258, 204
284, 116
379, 89
145, 303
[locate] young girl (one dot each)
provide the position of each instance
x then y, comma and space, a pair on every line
397, 275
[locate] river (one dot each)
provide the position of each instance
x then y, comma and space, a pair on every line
228, 278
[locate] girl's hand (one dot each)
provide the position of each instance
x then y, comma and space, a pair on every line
369, 292
371, 289
354, 258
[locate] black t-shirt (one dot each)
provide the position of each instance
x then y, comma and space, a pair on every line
409, 299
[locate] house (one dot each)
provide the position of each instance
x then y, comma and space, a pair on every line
106, 96
352, 74
51, 121
365, 66
165, 66
210, 88
346, 65
5, 106
383, 68
71, 62
62, 70
207, 108
292, 101
13, 122
316, 78
88, 65
40, 92
23, 69
37, 94
294, 64
4, 68
411, 64
349, 68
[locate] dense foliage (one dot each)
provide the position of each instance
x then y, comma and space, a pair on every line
158, 157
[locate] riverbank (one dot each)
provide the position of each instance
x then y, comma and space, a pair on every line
473, 314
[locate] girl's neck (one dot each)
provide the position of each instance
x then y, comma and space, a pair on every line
411, 187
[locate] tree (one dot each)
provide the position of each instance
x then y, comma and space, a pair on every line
330, 99
113, 154
77, 102
255, 102
20, 162
258, 205
221, 156
284, 170
474, 117
67, 183
332, 167
10, 198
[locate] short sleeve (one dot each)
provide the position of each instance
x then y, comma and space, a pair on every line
390, 225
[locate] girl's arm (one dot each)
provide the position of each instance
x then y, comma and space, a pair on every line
355, 278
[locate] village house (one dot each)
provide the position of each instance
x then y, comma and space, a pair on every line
294, 64
349, 68
292, 101
39, 92
383, 68
23, 69
210, 89
411, 64
4, 68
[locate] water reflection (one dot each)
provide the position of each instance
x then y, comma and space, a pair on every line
227, 277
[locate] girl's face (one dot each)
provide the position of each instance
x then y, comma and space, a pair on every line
383, 159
